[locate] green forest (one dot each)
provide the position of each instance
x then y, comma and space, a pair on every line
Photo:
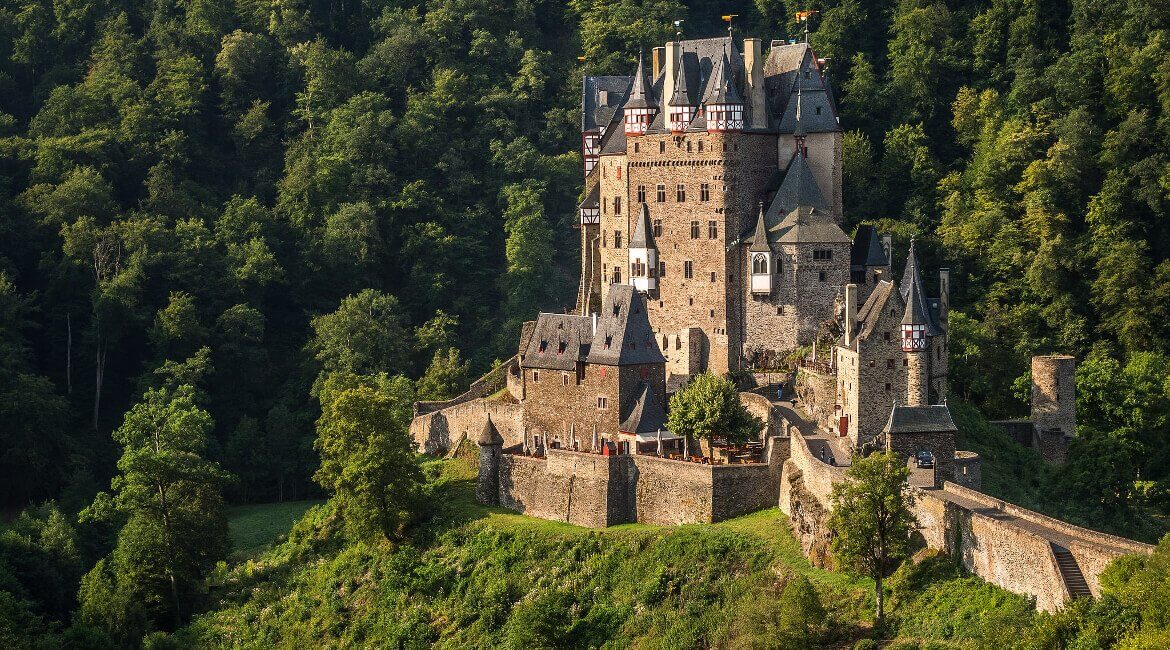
233, 233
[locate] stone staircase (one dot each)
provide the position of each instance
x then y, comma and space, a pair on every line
1074, 580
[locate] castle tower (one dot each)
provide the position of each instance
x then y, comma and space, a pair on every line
642, 105
681, 107
643, 254
915, 333
491, 445
723, 105
1054, 404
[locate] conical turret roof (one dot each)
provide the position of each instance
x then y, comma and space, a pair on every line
759, 238
642, 90
917, 309
490, 434
721, 88
643, 234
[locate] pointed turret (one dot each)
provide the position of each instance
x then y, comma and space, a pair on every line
642, 103
681, 106
761, 264
643, 254
915, 330
490, 435
722, 103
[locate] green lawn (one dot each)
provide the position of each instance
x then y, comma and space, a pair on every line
255, 527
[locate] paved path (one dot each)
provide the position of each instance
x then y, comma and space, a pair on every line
821, 443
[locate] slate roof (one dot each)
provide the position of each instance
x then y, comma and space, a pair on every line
558, 342
592, 200
784, 79
643, 413
799, 188
920, 419
624, 335
490, 435
721, 88
594, 112
867, 248
918, 311
683, 93
643, 234
808, 225
871, 312
759, 238
642, 91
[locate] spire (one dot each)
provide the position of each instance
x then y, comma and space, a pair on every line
721, 88
917, 310
643, 234
759, 239
642, 90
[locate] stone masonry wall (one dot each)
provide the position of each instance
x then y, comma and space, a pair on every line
818, 392
441, 430
566, 486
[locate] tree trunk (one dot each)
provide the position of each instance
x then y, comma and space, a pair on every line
99, 377
880, 600
69, 354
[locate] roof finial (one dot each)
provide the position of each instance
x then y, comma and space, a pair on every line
678, 29
727, 18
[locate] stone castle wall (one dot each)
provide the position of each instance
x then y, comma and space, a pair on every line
596, 491
818, 393
1054, 393
441, 430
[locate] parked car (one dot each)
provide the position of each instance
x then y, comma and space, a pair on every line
924, 460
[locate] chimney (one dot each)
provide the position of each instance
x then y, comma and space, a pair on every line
944, 294
656, 59
888, 246
850, 313
753, 63
594, 320
672, 50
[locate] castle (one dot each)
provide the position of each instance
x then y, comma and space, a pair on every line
711, 241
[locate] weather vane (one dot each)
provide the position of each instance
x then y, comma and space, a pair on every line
727, 19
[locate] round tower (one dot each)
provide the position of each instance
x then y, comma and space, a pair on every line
491, 449
915, 330
1054, 394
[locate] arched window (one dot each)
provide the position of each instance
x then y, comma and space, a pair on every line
760, 264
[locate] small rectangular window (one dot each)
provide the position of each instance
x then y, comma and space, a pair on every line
890, 364
661, 193
617, 275
662, 146
700, 146
705, 192
694, 230
712, 230
712, 276
617, 239
536, 376
641, 194
658, 227
564, 379
822, 255
680, 193
602, 402
617, 205
688, 269
661, 271
821, 276
636, 144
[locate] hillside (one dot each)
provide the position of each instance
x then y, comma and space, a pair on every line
477, 577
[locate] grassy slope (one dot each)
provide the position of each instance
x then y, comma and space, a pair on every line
254, 527
480, 577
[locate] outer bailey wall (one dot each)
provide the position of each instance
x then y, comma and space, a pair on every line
761, 407
671, 492
441, 430
997, 551
565, 486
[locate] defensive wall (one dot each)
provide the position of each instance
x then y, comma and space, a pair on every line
593, 490
1004, 544
491, 383
441, 430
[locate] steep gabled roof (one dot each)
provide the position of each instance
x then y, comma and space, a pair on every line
624, 335
808, 225
643, 234
721, 87
558, 342
867, 248
600, 98
683, 95
918, 310
643, 413
641, 91
792, 70
920, 419
592, 200
870, 314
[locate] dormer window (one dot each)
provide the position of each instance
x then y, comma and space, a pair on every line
617, 308
608, 341
760, 264
543, 346
561, 348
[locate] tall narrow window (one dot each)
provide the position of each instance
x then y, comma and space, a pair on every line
705, 192
688, 269
694, 230
712, 230
617, 205
617, 239
661, 270
658, 227
641, 194
661, 193
681, 193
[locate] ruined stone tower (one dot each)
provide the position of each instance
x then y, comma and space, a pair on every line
491, 445
1054, 404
